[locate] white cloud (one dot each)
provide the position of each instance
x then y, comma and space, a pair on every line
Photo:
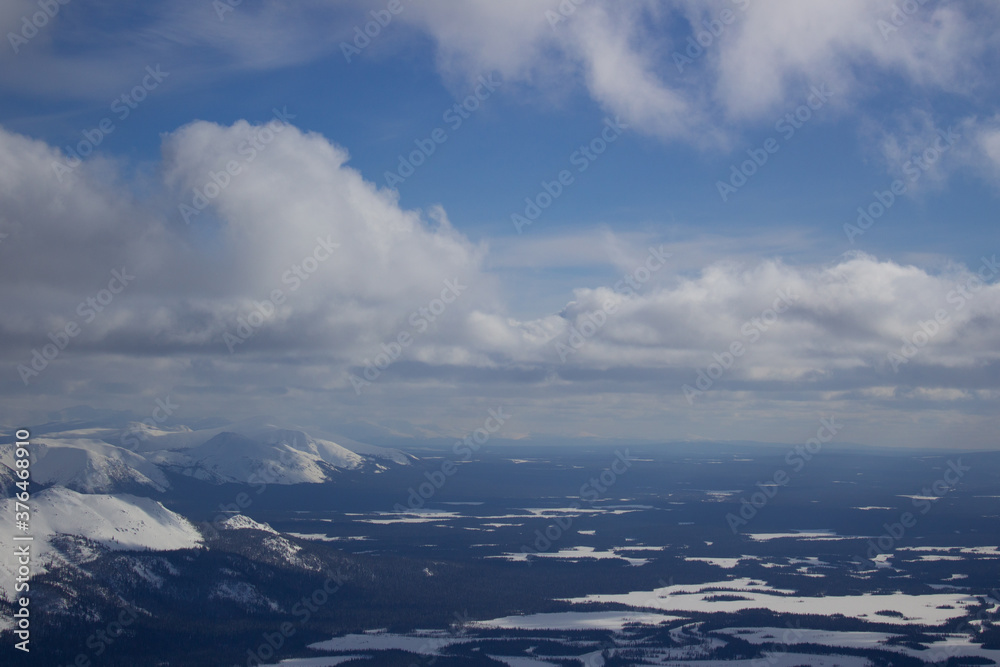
764, 58
621, 53
193, 281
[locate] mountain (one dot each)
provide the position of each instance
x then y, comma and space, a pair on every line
88, 466
131, 457
98, 475
70, 528
253, 453
278, 456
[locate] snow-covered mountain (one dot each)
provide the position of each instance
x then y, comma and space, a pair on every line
93, 522
97, 474
88, 466
256, 451
111, 459
269, 457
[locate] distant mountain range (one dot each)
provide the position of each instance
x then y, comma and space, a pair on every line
95, 486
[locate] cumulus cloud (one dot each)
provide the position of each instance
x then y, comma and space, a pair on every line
289, 216
831, 322
280, 194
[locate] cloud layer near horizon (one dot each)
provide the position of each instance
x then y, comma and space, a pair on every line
820, 336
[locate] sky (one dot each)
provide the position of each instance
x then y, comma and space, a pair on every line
646, 220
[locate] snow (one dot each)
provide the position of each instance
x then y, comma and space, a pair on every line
572, 620
773, 659
329, 661
268, 456
968, 551
512, 661
141, 569
808, 535
915, 609
949, 645
792, 636
724, 563
111, 521
425, 515
423, 644
243, 522
270, 441
573, 553
316, 537
87, 466
118, 522
243, 593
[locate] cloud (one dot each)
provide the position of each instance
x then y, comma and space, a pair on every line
641, 60
355, 270
784, 44
839, 320
762, 58
290, 216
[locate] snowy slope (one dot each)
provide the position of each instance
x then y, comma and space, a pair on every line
112, 522
274, 456
339, 451
88, 466
243, 522
99, 459
386, 453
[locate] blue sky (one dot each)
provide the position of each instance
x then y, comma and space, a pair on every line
892, 79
